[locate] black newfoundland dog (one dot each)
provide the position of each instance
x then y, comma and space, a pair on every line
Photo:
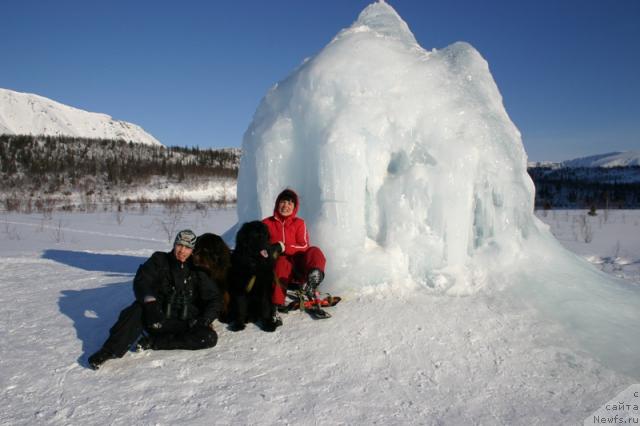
212, 255
251, 279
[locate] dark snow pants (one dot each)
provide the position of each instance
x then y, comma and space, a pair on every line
174, 334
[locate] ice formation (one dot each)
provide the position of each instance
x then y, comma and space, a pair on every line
412, 175
406, 161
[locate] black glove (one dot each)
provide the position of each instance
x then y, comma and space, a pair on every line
152, 315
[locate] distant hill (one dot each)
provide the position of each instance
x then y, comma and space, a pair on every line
602, 181
76, 172
612, 159
30, 114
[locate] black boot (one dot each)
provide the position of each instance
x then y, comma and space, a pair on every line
97, 359
314, 279
144, 343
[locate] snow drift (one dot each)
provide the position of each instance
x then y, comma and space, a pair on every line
29, 114
412, 175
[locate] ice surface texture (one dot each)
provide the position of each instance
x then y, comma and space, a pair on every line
412, 175
406, 161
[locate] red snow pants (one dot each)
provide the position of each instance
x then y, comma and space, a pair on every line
294, 269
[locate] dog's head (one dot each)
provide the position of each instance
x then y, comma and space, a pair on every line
212, 254
252, 242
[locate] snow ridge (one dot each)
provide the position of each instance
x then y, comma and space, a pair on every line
30, 114
611, 159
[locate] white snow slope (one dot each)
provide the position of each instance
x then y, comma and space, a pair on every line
608, 160
391, 358
413, 179
29, 114
612, 159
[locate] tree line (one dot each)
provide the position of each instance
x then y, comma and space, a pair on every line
52, 164
586, 187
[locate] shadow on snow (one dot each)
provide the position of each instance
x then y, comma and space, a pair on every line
116, 264
95, 310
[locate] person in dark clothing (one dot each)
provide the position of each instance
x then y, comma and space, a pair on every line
175, 306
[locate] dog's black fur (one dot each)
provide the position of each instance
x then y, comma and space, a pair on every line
253, 256
212, 255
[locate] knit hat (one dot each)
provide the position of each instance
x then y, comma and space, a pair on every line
186, 238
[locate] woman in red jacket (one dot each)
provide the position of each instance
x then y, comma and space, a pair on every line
299, 263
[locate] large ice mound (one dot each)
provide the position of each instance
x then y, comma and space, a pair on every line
412, 175
408, 166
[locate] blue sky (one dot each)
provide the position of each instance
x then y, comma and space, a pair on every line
193, 72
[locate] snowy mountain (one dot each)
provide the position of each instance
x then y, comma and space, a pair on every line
29, 114
612, 159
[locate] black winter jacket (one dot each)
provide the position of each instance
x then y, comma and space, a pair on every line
163, 277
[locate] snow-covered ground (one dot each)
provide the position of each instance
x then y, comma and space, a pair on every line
610, 240
386, 356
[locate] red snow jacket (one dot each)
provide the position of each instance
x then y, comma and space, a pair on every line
290, 230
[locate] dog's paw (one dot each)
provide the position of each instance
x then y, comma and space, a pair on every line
236, 326
269, 325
